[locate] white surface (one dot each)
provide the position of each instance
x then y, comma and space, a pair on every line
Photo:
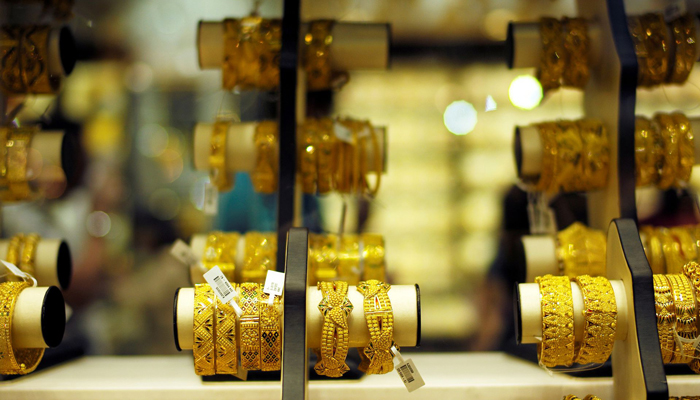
460, 376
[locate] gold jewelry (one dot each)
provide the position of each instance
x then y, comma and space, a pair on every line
250, 325
323, 257
665, 316
14, 248
24, 59
317, 60
687, 244
308, 157
595, 155
260, 256
651, 41
14, 361
270, 334
591, 397
264, 175
557, 346
226, 361
335, 307
577, 45
692, 272
654, 250
548, 133
218, 173
220, 251
377, 357
378, 163
686, 148
648, 152
349, 259
683, 29
552, 61
251, 53
327, 147
686, 316
373, 257
569, 158
17, 146
581, 250
203, 348
669, 135
29, 254
600, 316
671, 250
571, 397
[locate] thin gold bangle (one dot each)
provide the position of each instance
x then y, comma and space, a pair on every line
595, 154
25, 52
557, 346
665, 316
220, 251
686, 149
14, 361
548, 132
648, 153
670, 155
654, 250
260, 256
686, 316
270, 334
18, 143
373, 257
28, 258
600, 319
204, 349
218, 172
336, 308
250, 325
671, 251
264, 176
581, 250
308, 157
226, 351
683, 29
327, 147
377, 357
14, 249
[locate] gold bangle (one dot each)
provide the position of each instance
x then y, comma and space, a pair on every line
581, 250
683, 29
600, 319
264, 176
220, 251
17, 145
14, 248
251, 53
250, 325
25, 56
226, 351
670, 156
270, 334
377, 357
557, 346
548, 133
323, 257
686, 149
576, 44
378, 162
373, 257
203, 348
260, 256
569, 158
648, 155
218, 173
687, 244
335, 307
692, 272
308, 157
552, 61
595, 154
317, 61
28, 258
349, 259
651, 40
665, 316
686, 316
14, 361
671, 250
591, 397
654, 250
571, 397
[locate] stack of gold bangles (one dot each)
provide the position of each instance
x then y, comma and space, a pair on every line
565, 48
14, 360
664, 150
21, 251
589, 397
581, 250
25, 57
15, 143
558, 346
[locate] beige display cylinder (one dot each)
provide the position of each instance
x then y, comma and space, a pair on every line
47, 269
540, 256
27, 317
55, 63
403, 298
530, 311
530, 145
44, 155
240, 155
198, 243
355, 45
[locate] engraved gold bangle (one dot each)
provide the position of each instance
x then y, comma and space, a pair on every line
377, 357
270, 334
373, 257
251, 53
581, 250
577, 47
220, 251
250, 325
600, 320
336, 308
260, 256
28, 257
683, 30
25, 56
686, 148
552, 61
218, 173
665, 316
648, 152
317, 60
204, 349
17, 146
264, 176
595, 154
557, 346
686, 316
669, 135
226, 351
14, 361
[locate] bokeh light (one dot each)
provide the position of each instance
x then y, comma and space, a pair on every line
152, 140
98, 224
164, 204
525, 92
460, 117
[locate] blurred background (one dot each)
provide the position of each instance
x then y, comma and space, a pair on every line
448, 207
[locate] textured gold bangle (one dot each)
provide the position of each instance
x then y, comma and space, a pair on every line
557, 346
648, 152
308, 157
665, 316
323, 257
317, 60
687, 243
270, 334
264, 176
692, 272
251, 53
335, 307
250, 325
600, 320
670, 155
220, 251
651, 40
218, 173
14, 361
577, 48
686, 148
349, 259
548, 132
654, 250
204, 349
569, 158
226, 351
377, 357
373, 257
595, 154
17, 145
581, 250
260, 256
14, 248
28, 258
25, 56
686, 316
683, 29
552, 61
671, 251
327, 147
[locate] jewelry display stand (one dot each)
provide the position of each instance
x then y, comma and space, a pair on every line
53, 265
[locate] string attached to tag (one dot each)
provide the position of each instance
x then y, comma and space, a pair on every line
407, 371
18, 272
540, 215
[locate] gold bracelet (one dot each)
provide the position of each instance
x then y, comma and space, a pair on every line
336, 308
648, 155
577, 47
378, 163
591, 397
218, 173
600, 319
377, 357
28, 258
308, 157
226, 351
654, 250
317, 60
323, 257
687, 244
686, 316
13, 360
581, 250
669, 135
569, 158
250, 325
671, 250
595, 154
552, 61
683, 29
220, 251
260, 256
270, 334
571, 397
25, 54
373, 257
665, 316
692, 271
251, 53
548, 133
651, 40
14, 248
327, 147
17, 145
557, 346
349, 259
686, 148
203, 348
264, 176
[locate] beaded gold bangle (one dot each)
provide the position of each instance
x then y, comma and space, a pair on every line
28, 258
595, 154
264, 176
25, 56
317, 58
669, 135
665, 316
260, 256
270, 334
14, 361
683, 29
686, 148
377, 357
557, 346
220, 251
686, 316
373, 257
250, 325
577, 47
251, 53
218, 172
336, 308
204, 349
581, 250
552, 61
600, 320
226, 350
648, 154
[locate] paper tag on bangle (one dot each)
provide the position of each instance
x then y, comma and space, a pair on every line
342, 132
183, 252
409, 375
274, 283
211, 199
19, 273
222, 287
674, 9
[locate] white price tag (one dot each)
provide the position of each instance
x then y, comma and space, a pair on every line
408, 372
18, 272
342, 132
674, 9
217, 280
274, 285
211, 199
